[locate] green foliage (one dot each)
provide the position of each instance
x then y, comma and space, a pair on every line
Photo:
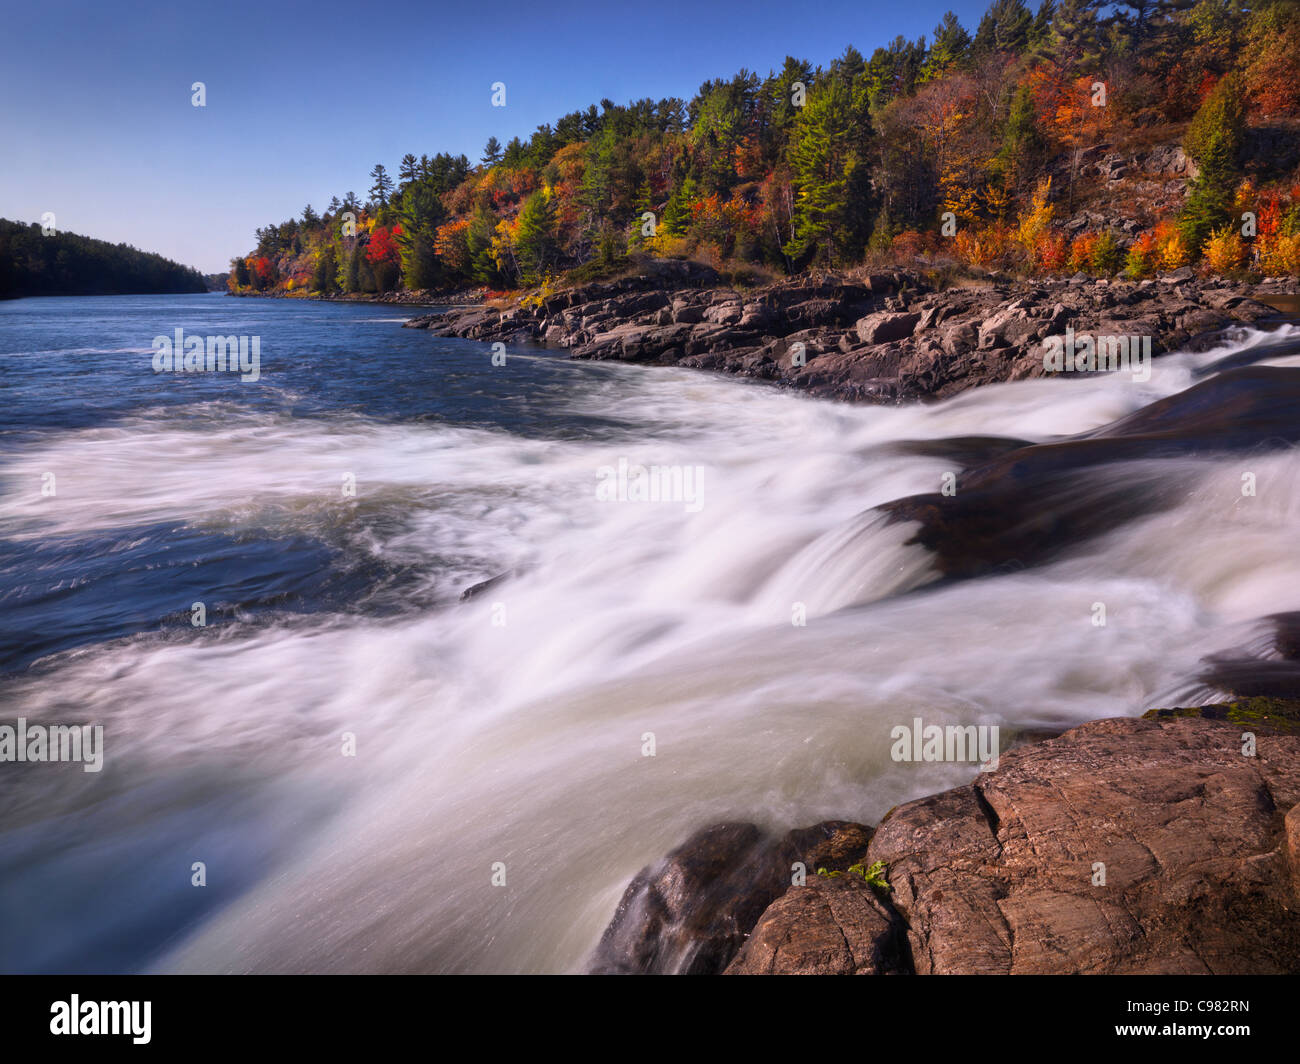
382, 187
948, 50
874, 876
1107, 255
1214, 143
827, 160
1023, 148
323, 277
535, 244
1004, 28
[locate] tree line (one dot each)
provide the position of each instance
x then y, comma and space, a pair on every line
34, 262
967, 144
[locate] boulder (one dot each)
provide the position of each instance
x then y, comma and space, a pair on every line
884, 326
828, 927
1122, 846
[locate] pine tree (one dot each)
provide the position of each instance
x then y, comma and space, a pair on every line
382, 187
352, 270
478, 240
1023, 148
1214, 143
535, 245
492, 152
950, 48
677, 212
826, 160
1076, 37
1004, 28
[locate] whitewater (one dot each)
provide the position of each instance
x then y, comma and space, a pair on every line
508, 727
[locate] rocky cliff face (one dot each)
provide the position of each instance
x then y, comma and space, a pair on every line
878, 337
1164, 845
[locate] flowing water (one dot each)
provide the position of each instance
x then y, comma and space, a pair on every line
511, 727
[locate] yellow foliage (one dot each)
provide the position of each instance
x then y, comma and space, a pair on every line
544, 292
1174, 251
1033, 223
1225, 251
1281, 255
1246, 196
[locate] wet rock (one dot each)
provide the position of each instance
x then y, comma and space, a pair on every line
690, 912
1026, 506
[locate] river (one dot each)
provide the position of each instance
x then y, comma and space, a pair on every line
353, 754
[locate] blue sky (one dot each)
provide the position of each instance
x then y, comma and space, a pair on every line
302, 100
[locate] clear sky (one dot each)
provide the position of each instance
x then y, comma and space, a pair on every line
96, 121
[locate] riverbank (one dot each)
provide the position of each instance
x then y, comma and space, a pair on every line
879, 337
423, 298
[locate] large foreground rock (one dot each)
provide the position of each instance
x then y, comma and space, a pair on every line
1196, 841
1161, 845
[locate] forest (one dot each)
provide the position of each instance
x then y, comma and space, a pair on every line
36, 263
1009, 146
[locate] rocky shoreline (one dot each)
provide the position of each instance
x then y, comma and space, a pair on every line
876, 337
419, 298
1161, 845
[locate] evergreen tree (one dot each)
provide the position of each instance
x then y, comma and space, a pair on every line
478, 240
535, 245
323, 275
1023, 149
677, 212
492, 152
827, 161
382, 187
1214, 142
1004, 28
950, 47
352, 270
1076, 37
